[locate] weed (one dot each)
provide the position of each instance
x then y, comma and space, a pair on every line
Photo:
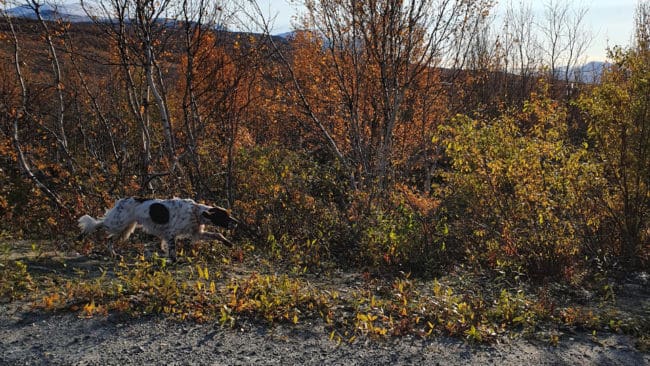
460, 305
274, 298
15, 281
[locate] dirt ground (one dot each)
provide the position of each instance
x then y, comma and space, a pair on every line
30, 338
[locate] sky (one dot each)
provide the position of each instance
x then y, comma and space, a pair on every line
610, 22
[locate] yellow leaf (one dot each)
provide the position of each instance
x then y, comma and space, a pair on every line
89, 309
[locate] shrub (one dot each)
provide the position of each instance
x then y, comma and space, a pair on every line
404, 231
519, 192
618, 116
16, 281
294, 204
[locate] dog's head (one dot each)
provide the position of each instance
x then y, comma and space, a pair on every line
220, 217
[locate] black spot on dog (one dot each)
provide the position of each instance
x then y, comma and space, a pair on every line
159, 213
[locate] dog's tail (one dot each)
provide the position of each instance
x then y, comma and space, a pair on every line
88, 224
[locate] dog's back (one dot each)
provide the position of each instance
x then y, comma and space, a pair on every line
170, 218
160, 217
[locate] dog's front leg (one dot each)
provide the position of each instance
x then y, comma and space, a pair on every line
168, 246
206, 235
111, 249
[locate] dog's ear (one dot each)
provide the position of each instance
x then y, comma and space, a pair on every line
217, 215
220, 217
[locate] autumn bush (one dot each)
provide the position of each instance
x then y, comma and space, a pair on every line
618, 116
519, 193
26, 212
404, 231
293, 204
305, 214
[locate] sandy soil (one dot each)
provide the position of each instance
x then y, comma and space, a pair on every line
33, 338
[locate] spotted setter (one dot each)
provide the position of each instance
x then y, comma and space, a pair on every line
168, 219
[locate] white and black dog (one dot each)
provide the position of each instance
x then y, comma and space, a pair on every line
167, 219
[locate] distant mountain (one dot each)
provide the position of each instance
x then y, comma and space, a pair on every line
69, 12
72, 12
592, 72
286, 35
589, 73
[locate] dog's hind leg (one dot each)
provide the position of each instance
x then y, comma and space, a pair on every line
111, 249
122, 236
